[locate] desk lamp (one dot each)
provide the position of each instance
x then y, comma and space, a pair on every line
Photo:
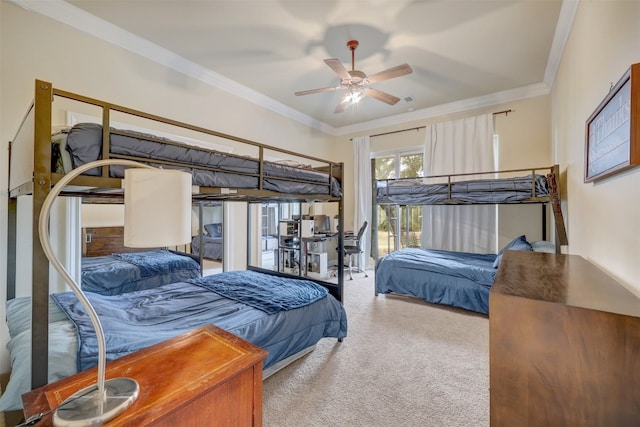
157, 213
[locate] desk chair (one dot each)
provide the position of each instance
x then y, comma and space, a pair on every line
352, 247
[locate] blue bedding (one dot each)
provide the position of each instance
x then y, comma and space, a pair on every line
270, 294
120, 273
208, 168
458, 279
138, 319
499, 190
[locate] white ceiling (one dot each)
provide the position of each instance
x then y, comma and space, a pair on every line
464, 53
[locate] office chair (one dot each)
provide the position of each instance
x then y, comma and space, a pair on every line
354, 248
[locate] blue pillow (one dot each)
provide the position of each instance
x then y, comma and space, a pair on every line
214, 230
518, 244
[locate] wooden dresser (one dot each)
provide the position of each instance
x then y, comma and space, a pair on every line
564, 344
207, 377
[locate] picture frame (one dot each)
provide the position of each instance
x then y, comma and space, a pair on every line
613, 130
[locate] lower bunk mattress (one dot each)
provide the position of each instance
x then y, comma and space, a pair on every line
284, 316
119, 273
458, 279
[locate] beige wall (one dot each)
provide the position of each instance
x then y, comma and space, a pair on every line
603, 217
102, 215
34, 47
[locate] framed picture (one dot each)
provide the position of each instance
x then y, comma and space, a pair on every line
612, 130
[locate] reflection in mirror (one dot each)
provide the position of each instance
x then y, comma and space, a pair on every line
207, 239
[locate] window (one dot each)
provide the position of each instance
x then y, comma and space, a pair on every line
398, 226
400, 164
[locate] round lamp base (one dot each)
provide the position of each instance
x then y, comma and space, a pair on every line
86, 408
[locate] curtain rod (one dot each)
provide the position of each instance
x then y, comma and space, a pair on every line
505, 112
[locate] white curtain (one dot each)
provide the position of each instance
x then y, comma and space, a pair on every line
362, 196
460, 146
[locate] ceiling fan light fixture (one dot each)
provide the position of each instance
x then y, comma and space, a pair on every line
355, 95
357, 83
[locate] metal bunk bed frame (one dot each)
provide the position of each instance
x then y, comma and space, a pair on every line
553, 199
101, 187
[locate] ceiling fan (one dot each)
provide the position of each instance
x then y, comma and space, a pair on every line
356, 82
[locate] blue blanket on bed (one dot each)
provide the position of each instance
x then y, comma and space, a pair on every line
262, 291
137, 320
477, 268
156, 262
459, 279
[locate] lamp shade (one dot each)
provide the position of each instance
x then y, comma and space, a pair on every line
157, 207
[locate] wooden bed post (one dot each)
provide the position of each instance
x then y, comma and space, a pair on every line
39, 262
12, 207
561, 231
11, 247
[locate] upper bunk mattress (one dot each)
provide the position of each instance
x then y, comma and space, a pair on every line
499, 190
209, 168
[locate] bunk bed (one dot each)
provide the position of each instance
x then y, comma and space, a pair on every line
37, 162
460, 279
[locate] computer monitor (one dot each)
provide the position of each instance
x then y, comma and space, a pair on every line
322, 223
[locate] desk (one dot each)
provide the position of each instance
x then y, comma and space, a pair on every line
206, 377
316, 255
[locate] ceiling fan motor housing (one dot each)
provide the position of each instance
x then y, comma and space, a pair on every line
356, 77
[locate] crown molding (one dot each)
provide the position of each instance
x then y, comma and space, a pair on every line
568, 12
75, 17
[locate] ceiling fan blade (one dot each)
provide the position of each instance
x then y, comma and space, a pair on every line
323, 89
390, 73
338, 68
381, 96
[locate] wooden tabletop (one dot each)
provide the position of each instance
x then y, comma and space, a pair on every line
564, 279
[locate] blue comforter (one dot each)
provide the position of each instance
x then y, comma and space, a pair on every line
156, 262
138, 319
262, 291
459, 279
120, 273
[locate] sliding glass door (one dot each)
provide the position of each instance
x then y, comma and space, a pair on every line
398, 226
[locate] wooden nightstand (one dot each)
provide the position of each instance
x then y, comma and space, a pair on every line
207, 377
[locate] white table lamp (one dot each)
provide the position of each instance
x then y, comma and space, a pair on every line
157, 214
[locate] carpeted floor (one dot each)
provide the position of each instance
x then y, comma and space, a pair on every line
404, 363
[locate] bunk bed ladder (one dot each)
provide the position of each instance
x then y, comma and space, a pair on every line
561, 231
559, 219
